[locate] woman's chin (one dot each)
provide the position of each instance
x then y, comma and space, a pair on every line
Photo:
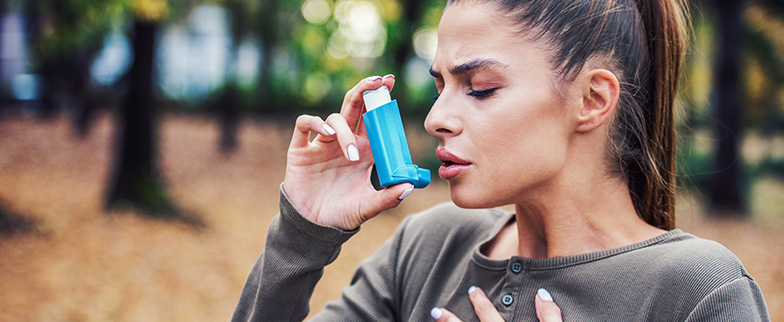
468, 198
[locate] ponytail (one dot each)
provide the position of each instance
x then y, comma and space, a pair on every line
645, 41
665, 25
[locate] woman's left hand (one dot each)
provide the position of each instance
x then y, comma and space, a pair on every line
546, 309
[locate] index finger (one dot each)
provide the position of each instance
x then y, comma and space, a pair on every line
353, 103
306, 124
484, 309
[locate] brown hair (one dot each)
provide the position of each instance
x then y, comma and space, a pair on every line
645, 41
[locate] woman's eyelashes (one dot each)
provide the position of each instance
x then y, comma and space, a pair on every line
483, 93
477, 94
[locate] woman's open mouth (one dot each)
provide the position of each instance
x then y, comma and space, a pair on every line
453, 165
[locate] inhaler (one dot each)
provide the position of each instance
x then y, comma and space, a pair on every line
388, 141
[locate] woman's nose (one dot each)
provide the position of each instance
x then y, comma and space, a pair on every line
442, 121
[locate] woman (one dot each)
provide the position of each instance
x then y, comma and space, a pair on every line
561, 108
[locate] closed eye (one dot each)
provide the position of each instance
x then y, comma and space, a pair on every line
482, 94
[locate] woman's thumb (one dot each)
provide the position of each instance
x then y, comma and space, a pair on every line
392, 196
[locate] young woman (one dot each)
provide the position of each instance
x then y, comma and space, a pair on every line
561, 108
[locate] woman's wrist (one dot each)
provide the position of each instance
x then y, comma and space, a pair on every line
291, 215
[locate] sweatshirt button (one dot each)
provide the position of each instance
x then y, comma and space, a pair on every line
507, 299
517, 267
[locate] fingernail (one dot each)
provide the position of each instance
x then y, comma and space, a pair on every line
471, 289
436, 313
353, 153
328, 128
373, 78
544, 295
405, 193
389, 75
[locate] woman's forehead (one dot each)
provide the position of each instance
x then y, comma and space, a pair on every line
473, 30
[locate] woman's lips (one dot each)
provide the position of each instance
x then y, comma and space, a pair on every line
452, 166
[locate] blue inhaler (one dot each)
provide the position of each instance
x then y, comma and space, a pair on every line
388, 141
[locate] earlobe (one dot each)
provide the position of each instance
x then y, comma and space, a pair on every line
599, 99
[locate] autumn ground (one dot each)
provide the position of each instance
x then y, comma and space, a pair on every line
82, 264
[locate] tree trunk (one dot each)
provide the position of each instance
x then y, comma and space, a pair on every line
229, 107
136, 180
726, 190
268, 31
228, 103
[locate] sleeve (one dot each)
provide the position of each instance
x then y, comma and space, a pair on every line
739, 300
374, 291
282, 280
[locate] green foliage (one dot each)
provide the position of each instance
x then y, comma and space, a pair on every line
312, 64
61, 27
764, 69
66, 25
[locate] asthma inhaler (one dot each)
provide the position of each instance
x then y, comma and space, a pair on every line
388, 141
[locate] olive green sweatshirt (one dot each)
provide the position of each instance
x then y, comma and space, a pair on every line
434, 257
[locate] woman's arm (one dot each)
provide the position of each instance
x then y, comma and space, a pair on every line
325, 196
282, 280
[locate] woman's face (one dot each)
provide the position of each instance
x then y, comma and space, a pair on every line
503, 131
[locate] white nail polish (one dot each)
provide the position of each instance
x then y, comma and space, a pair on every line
436, 313
471, 289
405, 193
353, 153
544, 295
373, 78
328, 128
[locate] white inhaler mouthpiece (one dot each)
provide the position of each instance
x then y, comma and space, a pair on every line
376, 97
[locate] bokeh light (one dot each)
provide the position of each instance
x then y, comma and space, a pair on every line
316, 11
425, 43
113, 60
193, 56
26, 87
360, 32
317, 86
248, 62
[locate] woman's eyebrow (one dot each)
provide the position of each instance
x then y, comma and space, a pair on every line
479, 63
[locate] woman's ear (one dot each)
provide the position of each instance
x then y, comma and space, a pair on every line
600, 97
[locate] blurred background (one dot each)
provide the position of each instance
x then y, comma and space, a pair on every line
142, 142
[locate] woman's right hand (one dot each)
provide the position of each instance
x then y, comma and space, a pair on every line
546, 309
328, 179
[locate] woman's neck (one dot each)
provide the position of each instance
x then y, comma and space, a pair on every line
570, 219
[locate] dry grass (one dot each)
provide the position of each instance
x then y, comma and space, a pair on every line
85, 265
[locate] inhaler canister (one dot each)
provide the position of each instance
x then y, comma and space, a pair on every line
388, 141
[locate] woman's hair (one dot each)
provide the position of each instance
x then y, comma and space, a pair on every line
644, 41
